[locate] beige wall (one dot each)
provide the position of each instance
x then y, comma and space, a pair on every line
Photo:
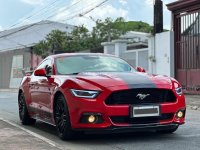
6, 58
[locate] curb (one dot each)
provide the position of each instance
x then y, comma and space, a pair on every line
9, 90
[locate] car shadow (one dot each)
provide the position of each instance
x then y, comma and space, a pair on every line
105, 138
45, 127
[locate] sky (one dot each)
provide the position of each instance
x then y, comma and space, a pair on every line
14, 13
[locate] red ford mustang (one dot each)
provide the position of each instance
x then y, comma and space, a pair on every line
99, 93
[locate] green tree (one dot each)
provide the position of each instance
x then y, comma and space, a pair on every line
57, 40
82, 39
41, 49
107, 30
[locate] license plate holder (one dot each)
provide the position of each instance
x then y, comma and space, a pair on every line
145, 111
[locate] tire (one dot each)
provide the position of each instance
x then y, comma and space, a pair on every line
167, 131
23, 111
62, 119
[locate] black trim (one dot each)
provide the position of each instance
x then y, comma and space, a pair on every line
130, 97
141, 120
136, 80
137, 128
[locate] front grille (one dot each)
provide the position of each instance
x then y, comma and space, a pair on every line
141, 120
127, 97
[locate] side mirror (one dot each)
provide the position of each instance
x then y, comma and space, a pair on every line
48, 69
40, 72
140, 69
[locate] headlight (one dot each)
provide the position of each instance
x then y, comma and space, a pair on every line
85, 93
179, 90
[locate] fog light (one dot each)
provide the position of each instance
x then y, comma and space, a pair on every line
95, 118
91, 119
180, 114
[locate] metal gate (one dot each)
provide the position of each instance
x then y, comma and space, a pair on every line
187, 50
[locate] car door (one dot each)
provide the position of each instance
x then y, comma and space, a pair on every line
41, 89
33, 89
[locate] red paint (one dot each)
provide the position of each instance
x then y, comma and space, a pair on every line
140, 69
39, 93
40, 72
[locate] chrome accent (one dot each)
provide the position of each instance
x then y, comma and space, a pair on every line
142, 96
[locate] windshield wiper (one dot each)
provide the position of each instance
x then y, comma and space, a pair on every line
75, 73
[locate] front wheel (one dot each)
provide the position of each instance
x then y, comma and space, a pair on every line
23, 112
62, 119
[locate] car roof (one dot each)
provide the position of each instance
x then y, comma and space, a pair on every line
79, 54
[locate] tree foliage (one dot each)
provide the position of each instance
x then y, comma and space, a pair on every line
79, 39
82, 39
41, 49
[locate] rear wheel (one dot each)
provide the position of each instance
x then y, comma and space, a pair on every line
23, 112
62, 119
168, 131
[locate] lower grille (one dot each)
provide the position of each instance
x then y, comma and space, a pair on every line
141, 120
154, 96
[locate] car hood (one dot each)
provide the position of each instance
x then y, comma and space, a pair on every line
129, 79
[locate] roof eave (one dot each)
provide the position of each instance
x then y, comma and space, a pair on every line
181, 4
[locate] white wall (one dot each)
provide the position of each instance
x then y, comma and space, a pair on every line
109, 48
137, 57
16, 71
164, 55
151, 52
158, 57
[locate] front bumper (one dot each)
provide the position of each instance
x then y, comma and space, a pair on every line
138, 128
79, 106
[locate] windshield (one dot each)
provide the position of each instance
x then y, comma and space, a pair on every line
84, 63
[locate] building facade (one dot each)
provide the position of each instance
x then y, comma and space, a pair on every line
16, 50
145, 51
186, 27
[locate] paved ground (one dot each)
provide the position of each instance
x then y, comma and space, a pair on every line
13, 138
42, 136
193, 101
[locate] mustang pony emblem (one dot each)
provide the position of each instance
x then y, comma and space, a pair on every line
142, 96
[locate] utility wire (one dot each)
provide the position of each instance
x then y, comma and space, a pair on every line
65, 8
51, 5
69, 18
76, 12
19, 44
21, 29
85, 12
42, 13
35, 14
25, 27
94, 8
39, 15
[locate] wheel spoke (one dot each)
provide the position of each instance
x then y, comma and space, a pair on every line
21, 104
60, 116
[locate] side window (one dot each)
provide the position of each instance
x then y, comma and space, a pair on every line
47, 64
